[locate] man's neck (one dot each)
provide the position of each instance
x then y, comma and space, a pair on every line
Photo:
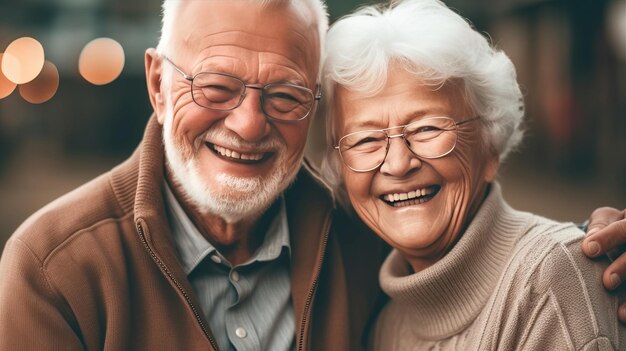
237, 241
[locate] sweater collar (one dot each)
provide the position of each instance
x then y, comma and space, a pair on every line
447, 296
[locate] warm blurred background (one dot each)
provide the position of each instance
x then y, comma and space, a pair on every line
72, 123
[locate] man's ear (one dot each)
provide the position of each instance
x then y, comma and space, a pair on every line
153, 79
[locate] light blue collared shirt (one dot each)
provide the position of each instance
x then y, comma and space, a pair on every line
248, 306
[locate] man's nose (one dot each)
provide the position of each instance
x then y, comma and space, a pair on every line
400, 160
248, 119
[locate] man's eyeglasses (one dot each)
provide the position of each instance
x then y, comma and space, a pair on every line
222, 92
429, 138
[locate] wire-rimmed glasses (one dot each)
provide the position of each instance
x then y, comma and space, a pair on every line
429, 138
223, 92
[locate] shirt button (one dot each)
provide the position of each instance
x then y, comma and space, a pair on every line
216, 259
241, 333
235, 276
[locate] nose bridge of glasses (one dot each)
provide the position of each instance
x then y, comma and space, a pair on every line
245, 87
244, 91
404, 141
400, 135
254, 86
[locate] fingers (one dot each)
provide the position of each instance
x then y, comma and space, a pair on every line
621, 313
615, 273
612, 279
602, 217
606, 232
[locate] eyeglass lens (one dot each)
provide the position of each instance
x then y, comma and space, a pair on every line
428, 138
279, 101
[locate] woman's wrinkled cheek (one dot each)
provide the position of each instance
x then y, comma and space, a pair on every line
471, 158
358, 186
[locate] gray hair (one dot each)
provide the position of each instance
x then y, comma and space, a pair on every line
434, 44
309, 11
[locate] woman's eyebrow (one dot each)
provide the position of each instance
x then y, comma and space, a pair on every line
363, 125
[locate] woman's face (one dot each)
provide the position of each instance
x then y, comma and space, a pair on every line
453, 186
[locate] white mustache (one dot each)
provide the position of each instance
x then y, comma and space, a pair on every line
231, 140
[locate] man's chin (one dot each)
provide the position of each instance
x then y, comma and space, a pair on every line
230, 197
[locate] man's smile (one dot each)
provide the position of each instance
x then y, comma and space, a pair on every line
238, 156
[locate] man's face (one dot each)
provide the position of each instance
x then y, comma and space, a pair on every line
235, 163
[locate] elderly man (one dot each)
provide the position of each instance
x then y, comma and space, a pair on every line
202, 240
213, 235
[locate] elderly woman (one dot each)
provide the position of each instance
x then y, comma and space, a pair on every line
422, 110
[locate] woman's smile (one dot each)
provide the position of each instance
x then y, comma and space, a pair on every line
411, 198
417, 204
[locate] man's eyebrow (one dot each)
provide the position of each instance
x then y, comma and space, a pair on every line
228, 70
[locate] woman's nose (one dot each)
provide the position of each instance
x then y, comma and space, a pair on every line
400, 161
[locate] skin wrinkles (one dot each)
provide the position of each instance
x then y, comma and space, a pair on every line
289, 69
467, 199
360, 123
212, 31
425, 232
182, 103
225, 197
273, 72
305, 42
274, 67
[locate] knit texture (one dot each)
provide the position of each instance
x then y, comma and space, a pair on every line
514, 281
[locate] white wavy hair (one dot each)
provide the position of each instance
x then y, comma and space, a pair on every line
431, 42
309, 11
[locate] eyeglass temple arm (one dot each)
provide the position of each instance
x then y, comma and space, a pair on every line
468, 120
318, 94
185, 75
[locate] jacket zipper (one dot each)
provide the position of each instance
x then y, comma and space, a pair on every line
180, 288
309, 297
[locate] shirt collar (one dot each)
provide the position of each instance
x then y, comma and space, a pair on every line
192, 247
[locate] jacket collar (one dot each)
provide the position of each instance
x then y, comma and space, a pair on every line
137, 184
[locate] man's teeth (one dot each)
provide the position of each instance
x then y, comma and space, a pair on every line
234, 154
408, 196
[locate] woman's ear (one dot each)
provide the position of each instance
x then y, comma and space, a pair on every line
153, 62
492, 166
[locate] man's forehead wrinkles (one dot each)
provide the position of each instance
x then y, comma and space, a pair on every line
223, 57
243, 54
240, 37
255, 42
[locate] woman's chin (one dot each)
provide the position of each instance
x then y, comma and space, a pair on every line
411, 236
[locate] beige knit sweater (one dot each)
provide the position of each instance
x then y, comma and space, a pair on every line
514, 281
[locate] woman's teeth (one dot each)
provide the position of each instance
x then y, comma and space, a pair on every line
415, 194
237, 155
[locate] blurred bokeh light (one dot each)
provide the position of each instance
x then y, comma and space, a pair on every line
101, 61
23, 60
43, 87
617, 27
6, 86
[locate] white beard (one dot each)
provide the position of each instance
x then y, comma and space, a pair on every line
234, 198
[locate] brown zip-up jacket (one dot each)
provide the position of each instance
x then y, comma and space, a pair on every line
97, 269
